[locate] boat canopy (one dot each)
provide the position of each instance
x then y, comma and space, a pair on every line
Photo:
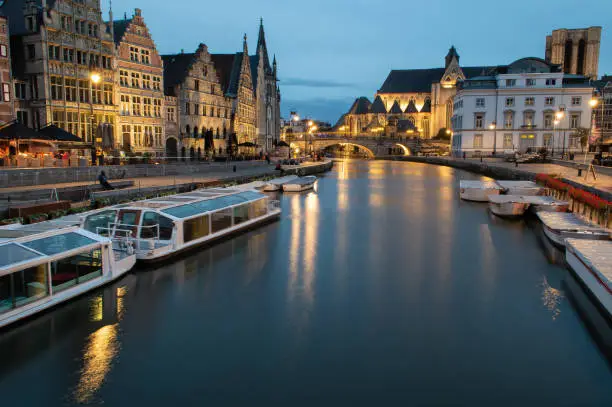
567, 221
479, 184
211, 205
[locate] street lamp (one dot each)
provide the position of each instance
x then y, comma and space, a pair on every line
493, 126
559, 116
94, 79
593, 103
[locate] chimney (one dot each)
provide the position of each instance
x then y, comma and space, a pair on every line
138, 12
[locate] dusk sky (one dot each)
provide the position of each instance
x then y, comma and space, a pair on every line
331, 51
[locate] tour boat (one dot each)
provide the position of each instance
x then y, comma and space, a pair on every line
524, 188
277, 183
478, 191
162, 227
509, 206
591, 261
43, 265
300, 184
559, 226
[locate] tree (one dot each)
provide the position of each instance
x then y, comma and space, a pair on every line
443, 134
583, 135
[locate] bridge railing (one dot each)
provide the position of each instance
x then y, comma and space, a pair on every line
347, 138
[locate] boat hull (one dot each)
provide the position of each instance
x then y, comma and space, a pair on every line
272, 187
477, 195
297, 187
508, 209
558, 236
591, 280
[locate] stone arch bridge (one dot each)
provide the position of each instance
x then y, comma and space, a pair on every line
373, 146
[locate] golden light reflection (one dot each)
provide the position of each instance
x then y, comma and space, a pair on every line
96, 308
121, 292
294, 249
102, 348
551, 298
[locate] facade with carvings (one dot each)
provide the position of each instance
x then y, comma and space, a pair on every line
410, 102
202, 105
267, 94
576, 50
7, 111
140, 88
58, 47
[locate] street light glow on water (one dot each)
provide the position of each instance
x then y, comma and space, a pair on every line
380, 288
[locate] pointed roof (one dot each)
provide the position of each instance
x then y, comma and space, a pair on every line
261, 44
176, 67
228, 68
420, 80
254, 62
119, 29
396, 109
411, 108
378, 107
426, 106
452, 53
360, 106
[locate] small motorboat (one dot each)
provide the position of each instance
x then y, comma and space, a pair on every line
524, 188
546, 204
559, 226
478, 191
277, 183
300, 184
508, 206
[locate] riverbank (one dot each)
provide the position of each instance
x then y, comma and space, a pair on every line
498, 169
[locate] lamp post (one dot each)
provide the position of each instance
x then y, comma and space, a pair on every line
593, 103
94, 79
559, 116
493, 127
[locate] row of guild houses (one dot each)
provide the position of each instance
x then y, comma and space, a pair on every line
106, 82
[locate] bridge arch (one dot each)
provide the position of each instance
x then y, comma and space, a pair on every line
407, 150
368, 151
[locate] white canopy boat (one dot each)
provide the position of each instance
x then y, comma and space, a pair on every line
43, 265
258, 185
507, 205
478, 191
300, 184
546, 204
559, 226
162, 227
591, 261
277, 183
524, 188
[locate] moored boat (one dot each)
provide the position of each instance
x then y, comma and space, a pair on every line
509, 206
162, 227
524, 188
559, 226
546, 204
42, 266
591, 261
300, 184
277, 183
478, 191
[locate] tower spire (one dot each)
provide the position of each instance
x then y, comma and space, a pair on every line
261, 46
245, 47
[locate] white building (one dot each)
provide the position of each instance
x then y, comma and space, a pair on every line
529, 104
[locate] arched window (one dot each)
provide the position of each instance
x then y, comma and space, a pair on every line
509, 119
187, 130
224, 133
195, 132
449, 113
567, 58
581, 51
217, 134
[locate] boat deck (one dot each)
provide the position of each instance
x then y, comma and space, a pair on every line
568, 222
596, 255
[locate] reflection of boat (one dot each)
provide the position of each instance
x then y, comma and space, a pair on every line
162, 227
520, 188
300, 184
42, 265
559, 226
517, 205
592, 263
478, 191
277, 183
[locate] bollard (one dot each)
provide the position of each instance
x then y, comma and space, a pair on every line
580, 172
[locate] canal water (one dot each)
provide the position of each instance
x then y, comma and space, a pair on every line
380, 288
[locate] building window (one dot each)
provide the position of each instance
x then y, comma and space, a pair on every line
127, 135
68, 54
138, 141
54, 52
196, 85
56, 88
20, 90
22, 117
124, 106
147, 107
136, 106
158, 136
84, 91
480, 102
477, 140
551, 82
171, 114
135, 80
548, 120
196, 109
508, 145
510, 83
509, 102
576, 101
212, 89
528, 118
6, 92
156, 83
479, 120
574, 120
157, 107
547, 140
123, 78
549, 101
530, 101
187, 109
509, 120
530, 82
134, 54
3, 50
31, 52
71, 90
108, 94
145, 56
146, 81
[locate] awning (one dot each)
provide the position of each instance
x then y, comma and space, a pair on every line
59, 134
17, 131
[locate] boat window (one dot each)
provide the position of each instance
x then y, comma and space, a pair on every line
258, 209
152, 219
71, 271
128, 220
241, 214
59, 243
12, 253
187, 210
196, 228
100, 222
23, 287
221, 220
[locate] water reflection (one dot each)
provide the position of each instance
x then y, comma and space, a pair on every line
103, 345
551, 298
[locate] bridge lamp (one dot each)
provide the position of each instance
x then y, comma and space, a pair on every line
593, 102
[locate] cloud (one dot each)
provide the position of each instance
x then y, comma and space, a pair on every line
314, 83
